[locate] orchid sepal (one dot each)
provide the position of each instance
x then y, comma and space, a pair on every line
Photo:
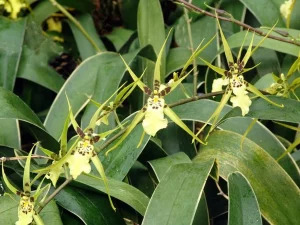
172, 115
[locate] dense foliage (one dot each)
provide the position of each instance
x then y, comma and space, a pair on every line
150, 112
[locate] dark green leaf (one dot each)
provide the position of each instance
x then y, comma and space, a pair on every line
243, 205
120, 190
262, 171
177, 196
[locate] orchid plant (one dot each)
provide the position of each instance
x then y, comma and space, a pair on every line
28, 199
154, 111
236, 86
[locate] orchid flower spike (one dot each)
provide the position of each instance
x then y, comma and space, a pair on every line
153, 113
234, 80
28, 199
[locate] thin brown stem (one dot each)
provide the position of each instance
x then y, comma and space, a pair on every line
246, 26
4, 159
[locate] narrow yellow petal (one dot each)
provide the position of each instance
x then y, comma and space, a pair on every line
100, 169
138, 117
227, 49
254, 90
215, 68
170, 113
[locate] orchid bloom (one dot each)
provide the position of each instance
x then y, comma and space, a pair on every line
153, 113
13, 7
234, 80
286, 10
26, 211
79, 160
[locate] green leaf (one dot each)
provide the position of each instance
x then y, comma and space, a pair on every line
203, 109
162, 165
37, 52
151, 32
243, 205
236, 40
10, 136
119, 161
176, 59
119, 36
9, 211
261, 109
262, 171
202, 29
86, 49
120, 190
11, 43
176, 198
97, 77
92, 208
265, 11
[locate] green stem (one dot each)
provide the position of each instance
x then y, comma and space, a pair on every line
76, 22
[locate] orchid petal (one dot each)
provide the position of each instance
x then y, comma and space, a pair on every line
254, 90
134, 77
157, 75
215, 68
97, 163
7, 183
171, 114
227, 49
26, 175
138, 117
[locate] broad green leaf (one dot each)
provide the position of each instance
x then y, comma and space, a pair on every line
119, 161
151, 32
42, 11
129, 13
13, 108
201, 111
37, 52
10, 136
120, 190
265, 11
202, 29
237, 39
262, 172
92, 208
97, 77
176, 59
243, 205
119, 36
162, 165
9, 211
169, 205
261, 109
268, 61
11, 43
86, 49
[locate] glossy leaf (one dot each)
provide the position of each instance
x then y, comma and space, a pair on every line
272, 195
264, 110
96, 68
151, 32
169, 205
91, 208
86, 49
243, 205
265, 11
203, 109
120, 190
162, 165
237, 39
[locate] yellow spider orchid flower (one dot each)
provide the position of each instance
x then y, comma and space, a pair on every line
234, 81
26, 208
153, 112
286, 10
13, 7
